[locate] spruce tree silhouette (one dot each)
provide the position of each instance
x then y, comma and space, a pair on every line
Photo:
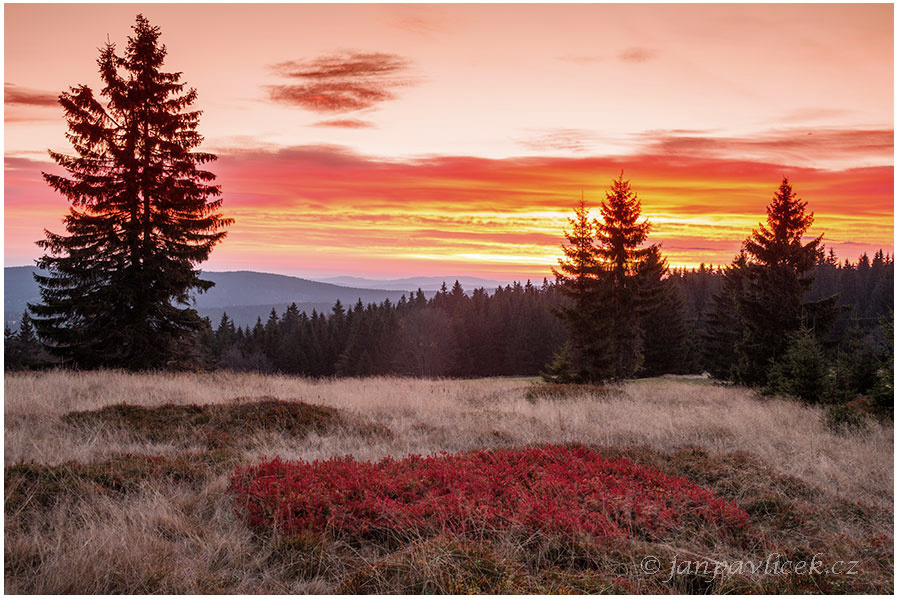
142, 217
771, 303
609, 281
586, 355
619, 236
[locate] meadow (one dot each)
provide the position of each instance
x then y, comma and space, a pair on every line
164, 483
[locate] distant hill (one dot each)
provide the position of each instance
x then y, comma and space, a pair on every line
19, 288
244, 295
245, 287
414, 283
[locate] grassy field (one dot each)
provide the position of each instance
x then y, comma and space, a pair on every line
121, 483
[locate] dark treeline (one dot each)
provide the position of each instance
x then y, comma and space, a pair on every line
512, 331
865, 291
509, 332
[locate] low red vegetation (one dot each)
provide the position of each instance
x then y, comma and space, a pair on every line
553, 489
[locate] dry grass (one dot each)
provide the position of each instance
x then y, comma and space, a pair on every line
180, 535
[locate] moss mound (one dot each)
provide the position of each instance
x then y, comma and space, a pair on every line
222, 425
568, 390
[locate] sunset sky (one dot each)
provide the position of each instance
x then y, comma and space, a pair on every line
403, 140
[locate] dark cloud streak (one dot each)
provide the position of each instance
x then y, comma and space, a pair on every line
340, 83
13, 94
330, 97
356, 64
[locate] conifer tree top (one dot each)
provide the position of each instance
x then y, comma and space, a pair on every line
579, 257
619, 233
780, 240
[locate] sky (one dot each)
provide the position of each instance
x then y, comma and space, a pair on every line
438, 139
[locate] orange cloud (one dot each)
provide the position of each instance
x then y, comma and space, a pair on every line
327, 209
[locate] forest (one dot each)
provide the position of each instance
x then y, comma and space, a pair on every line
513, 331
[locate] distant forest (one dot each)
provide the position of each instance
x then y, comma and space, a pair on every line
510, 332
513, 331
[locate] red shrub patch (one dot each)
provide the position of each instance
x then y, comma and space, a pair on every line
568, 490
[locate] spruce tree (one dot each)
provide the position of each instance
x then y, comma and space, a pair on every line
802, 370
605, 276
883, 392
586, 356
780, 272
12, 356
619, 236
143, 215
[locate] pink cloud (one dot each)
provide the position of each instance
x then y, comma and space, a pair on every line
345, 123
806, 145
637, 54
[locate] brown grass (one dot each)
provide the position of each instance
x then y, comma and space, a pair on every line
87, 510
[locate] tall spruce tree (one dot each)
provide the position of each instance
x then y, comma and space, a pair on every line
610, 283
586, 356
619, 236
142, 216
780, 272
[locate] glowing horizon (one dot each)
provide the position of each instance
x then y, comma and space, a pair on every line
408, 140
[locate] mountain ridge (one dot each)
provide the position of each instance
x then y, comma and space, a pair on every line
247, 295
425, 283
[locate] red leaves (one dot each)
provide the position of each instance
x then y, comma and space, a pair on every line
549, 489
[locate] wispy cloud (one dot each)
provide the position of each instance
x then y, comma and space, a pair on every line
340, 83
337, 96
13, 94
806, 146
423, 20
571, 140
418, 24
345, 123
813, 114
354, 64
637, 54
